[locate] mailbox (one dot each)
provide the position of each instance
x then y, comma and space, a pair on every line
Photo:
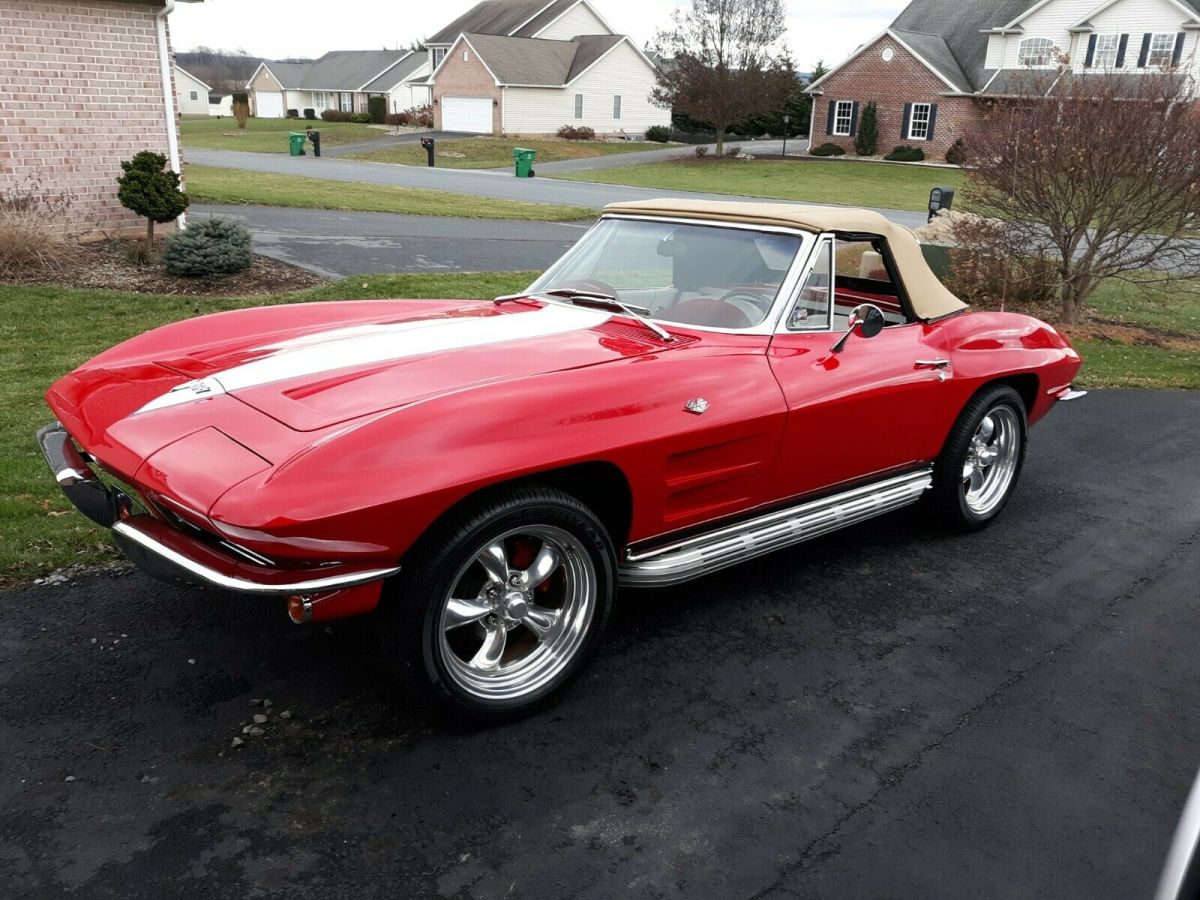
428, 143
315, 137
940, 198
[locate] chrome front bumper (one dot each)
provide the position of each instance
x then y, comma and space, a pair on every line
167, 553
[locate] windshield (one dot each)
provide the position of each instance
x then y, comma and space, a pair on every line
690, 274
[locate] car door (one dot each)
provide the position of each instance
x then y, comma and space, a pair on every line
877, 405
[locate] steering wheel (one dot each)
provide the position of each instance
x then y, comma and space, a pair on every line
593, 285
755, 304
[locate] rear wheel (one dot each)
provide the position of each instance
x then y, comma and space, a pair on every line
502, 604
981, 461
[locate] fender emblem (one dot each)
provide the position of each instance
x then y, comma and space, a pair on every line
697, 406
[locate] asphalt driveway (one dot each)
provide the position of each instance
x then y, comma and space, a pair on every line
888, 712
337, 244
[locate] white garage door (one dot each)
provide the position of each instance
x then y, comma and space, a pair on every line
473, 114
270, 105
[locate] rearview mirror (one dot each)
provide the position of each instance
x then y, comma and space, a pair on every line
866, 320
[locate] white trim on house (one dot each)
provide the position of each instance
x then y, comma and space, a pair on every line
1050, 62
384, 72
887, 32
595, 12
1025, 15
913, 121
1085, 21
837, 114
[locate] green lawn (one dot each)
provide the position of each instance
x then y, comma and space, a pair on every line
48, 330
266, 135
209, 184
496, 152
1164, 307
811, 180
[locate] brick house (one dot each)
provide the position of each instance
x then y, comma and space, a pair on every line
933, 72
88, 83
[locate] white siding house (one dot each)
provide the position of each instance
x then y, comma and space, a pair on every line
191, 92
579, 19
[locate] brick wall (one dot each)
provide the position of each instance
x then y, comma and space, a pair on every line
892, 84
82, 90
464, 79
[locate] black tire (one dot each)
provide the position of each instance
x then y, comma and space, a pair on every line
949, 495
411, 621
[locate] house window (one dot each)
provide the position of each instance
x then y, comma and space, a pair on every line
346, 101
1162, 51
320, 101
579, 106
918, 122
843, 112
195, 96
439, 53
1105, 56
616, 106
1035, 52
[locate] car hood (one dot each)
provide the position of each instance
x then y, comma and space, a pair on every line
316, 375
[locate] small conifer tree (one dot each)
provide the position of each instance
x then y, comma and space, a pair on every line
866, 141
150, 189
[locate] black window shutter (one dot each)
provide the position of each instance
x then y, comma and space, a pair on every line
1145, 54
1091, 52
1121, 45
904, 121
932, 120
1178, 54
854, 118
829, 118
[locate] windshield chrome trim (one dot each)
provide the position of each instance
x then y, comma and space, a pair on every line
787, 287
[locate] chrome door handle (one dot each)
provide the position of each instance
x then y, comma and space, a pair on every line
932, 363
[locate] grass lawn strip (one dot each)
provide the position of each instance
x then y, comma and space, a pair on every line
211, 184
879, 185
496, 152
267, 135
47, 331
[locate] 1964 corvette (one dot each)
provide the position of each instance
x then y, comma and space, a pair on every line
694, 384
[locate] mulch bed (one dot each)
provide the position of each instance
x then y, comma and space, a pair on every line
108, 264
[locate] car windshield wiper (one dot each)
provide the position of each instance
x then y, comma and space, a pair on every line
594, 298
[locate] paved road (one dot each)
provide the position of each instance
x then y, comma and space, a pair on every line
497, 183
385, 141
336, 244
890, 712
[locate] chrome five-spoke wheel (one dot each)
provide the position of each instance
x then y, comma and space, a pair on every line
978, 467
517, 612
991, 460
501, 603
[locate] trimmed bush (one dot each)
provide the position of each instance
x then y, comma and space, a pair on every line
360, 118
956, 155
905, 154
733, 151
335, 115
310, 113
573, 133
866, 140
293, 113
396, 120
150, 189
701, 151
828, 150
658, 133
209, 247
377, 109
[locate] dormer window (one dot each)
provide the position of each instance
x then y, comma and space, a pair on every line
439, 53
1035, 52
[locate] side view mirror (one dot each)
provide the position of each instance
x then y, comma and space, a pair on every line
866, 320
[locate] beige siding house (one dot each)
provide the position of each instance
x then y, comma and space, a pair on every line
342, 79
87, 84
533, 66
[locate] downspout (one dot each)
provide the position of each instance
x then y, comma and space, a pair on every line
164, 62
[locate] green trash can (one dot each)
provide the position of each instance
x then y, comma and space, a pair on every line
523, 161
296, 141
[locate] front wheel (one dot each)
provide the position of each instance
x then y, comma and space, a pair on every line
502, 604
981, 461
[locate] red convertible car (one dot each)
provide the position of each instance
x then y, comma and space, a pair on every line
694, 384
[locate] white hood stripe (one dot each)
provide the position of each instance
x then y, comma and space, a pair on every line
359, 345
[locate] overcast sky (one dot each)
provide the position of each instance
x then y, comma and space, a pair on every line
817, 29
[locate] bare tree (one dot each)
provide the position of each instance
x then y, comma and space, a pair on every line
726, 62
1100, 172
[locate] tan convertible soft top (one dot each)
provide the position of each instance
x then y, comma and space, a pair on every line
930, 298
